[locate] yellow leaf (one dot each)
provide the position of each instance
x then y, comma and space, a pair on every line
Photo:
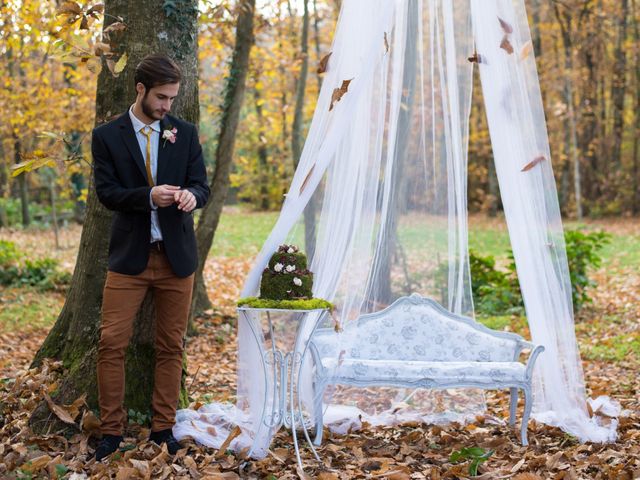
121, 64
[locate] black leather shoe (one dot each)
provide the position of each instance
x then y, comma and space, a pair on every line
107, 446
166, 436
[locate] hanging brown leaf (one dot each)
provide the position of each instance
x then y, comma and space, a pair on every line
223, 448
505, 44
101, 48
84, 23
95, 10
324, 62
386, 43
477, 58
533, 163
115, 27
339, 92
526, 50
69, 8
306, 179
505, 26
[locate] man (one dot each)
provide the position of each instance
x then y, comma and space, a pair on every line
149, 170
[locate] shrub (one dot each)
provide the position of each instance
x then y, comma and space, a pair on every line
16, 269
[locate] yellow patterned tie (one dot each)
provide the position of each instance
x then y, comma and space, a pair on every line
146, 131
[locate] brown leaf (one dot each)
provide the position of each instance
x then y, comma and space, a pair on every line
327, 476
527, 476
505, 44
506, 27
59, 411
101, 48
339, 92
526, 50
36, 464
386, 43
84, 23
533, 163
69, 8
115, 27
233, 434
95, 9
306, 179
90, 423
476, 58
324, 62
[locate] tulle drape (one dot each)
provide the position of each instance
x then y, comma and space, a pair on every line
381, 192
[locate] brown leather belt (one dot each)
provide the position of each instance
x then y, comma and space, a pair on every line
156, 246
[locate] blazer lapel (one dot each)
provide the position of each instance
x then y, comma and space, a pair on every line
164, 152
130, 140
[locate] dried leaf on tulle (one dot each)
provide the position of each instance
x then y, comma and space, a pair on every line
533, 163
477, 58
223, 448
306, 179
337, 94
526, 50
505, 44
386, 43
505, 26
324, 63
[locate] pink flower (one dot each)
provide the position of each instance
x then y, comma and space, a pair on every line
169, 134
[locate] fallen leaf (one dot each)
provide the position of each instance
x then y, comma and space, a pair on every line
506, 27
505, 44
526, 50
306, 179
386, 43
338, 93
476, 58
324, 63
533, 163
223, 448
59, 411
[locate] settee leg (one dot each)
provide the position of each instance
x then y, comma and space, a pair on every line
525, 416
513, 404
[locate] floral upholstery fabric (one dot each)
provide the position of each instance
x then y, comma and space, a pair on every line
416, 332
428, 373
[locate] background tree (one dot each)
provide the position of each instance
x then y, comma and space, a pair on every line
74, 337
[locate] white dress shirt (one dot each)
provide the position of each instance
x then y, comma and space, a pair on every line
156, 233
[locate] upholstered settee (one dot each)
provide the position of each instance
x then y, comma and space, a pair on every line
416, 343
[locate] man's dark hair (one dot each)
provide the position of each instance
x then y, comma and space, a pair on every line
155, 70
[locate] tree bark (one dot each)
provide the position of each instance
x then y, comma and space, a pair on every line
151, 28
233, 97
618, 87
635, 200
297, 138
22, 183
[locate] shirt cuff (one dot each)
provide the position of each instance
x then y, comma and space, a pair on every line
153, 205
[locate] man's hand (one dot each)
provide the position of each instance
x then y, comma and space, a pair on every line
164, 195
185, 199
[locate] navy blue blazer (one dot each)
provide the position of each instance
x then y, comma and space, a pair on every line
121, 184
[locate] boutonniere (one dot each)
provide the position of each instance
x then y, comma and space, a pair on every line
169, 133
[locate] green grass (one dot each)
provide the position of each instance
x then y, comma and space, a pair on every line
27, 307
241, 233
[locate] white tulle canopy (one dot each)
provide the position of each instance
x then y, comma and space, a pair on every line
379, 197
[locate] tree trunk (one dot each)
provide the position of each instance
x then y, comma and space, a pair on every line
263, 155
74, 337
234, 94
297, 138
22, 183
635, 201
618, 87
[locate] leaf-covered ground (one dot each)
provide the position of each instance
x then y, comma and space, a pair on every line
608, 332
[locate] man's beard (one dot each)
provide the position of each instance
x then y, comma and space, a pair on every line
148, 111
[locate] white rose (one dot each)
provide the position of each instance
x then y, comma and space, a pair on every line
291, 250
297, 281
291, 268
167, 134
278, 267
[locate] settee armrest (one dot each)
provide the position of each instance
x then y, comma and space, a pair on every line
535, 350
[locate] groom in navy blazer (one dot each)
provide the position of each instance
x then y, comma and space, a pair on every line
148, 169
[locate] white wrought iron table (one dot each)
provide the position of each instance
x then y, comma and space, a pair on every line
282, 367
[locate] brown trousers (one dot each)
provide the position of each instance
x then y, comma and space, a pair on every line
123, 295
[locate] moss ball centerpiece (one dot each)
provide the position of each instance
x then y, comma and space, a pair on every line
287, 277
286, 283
